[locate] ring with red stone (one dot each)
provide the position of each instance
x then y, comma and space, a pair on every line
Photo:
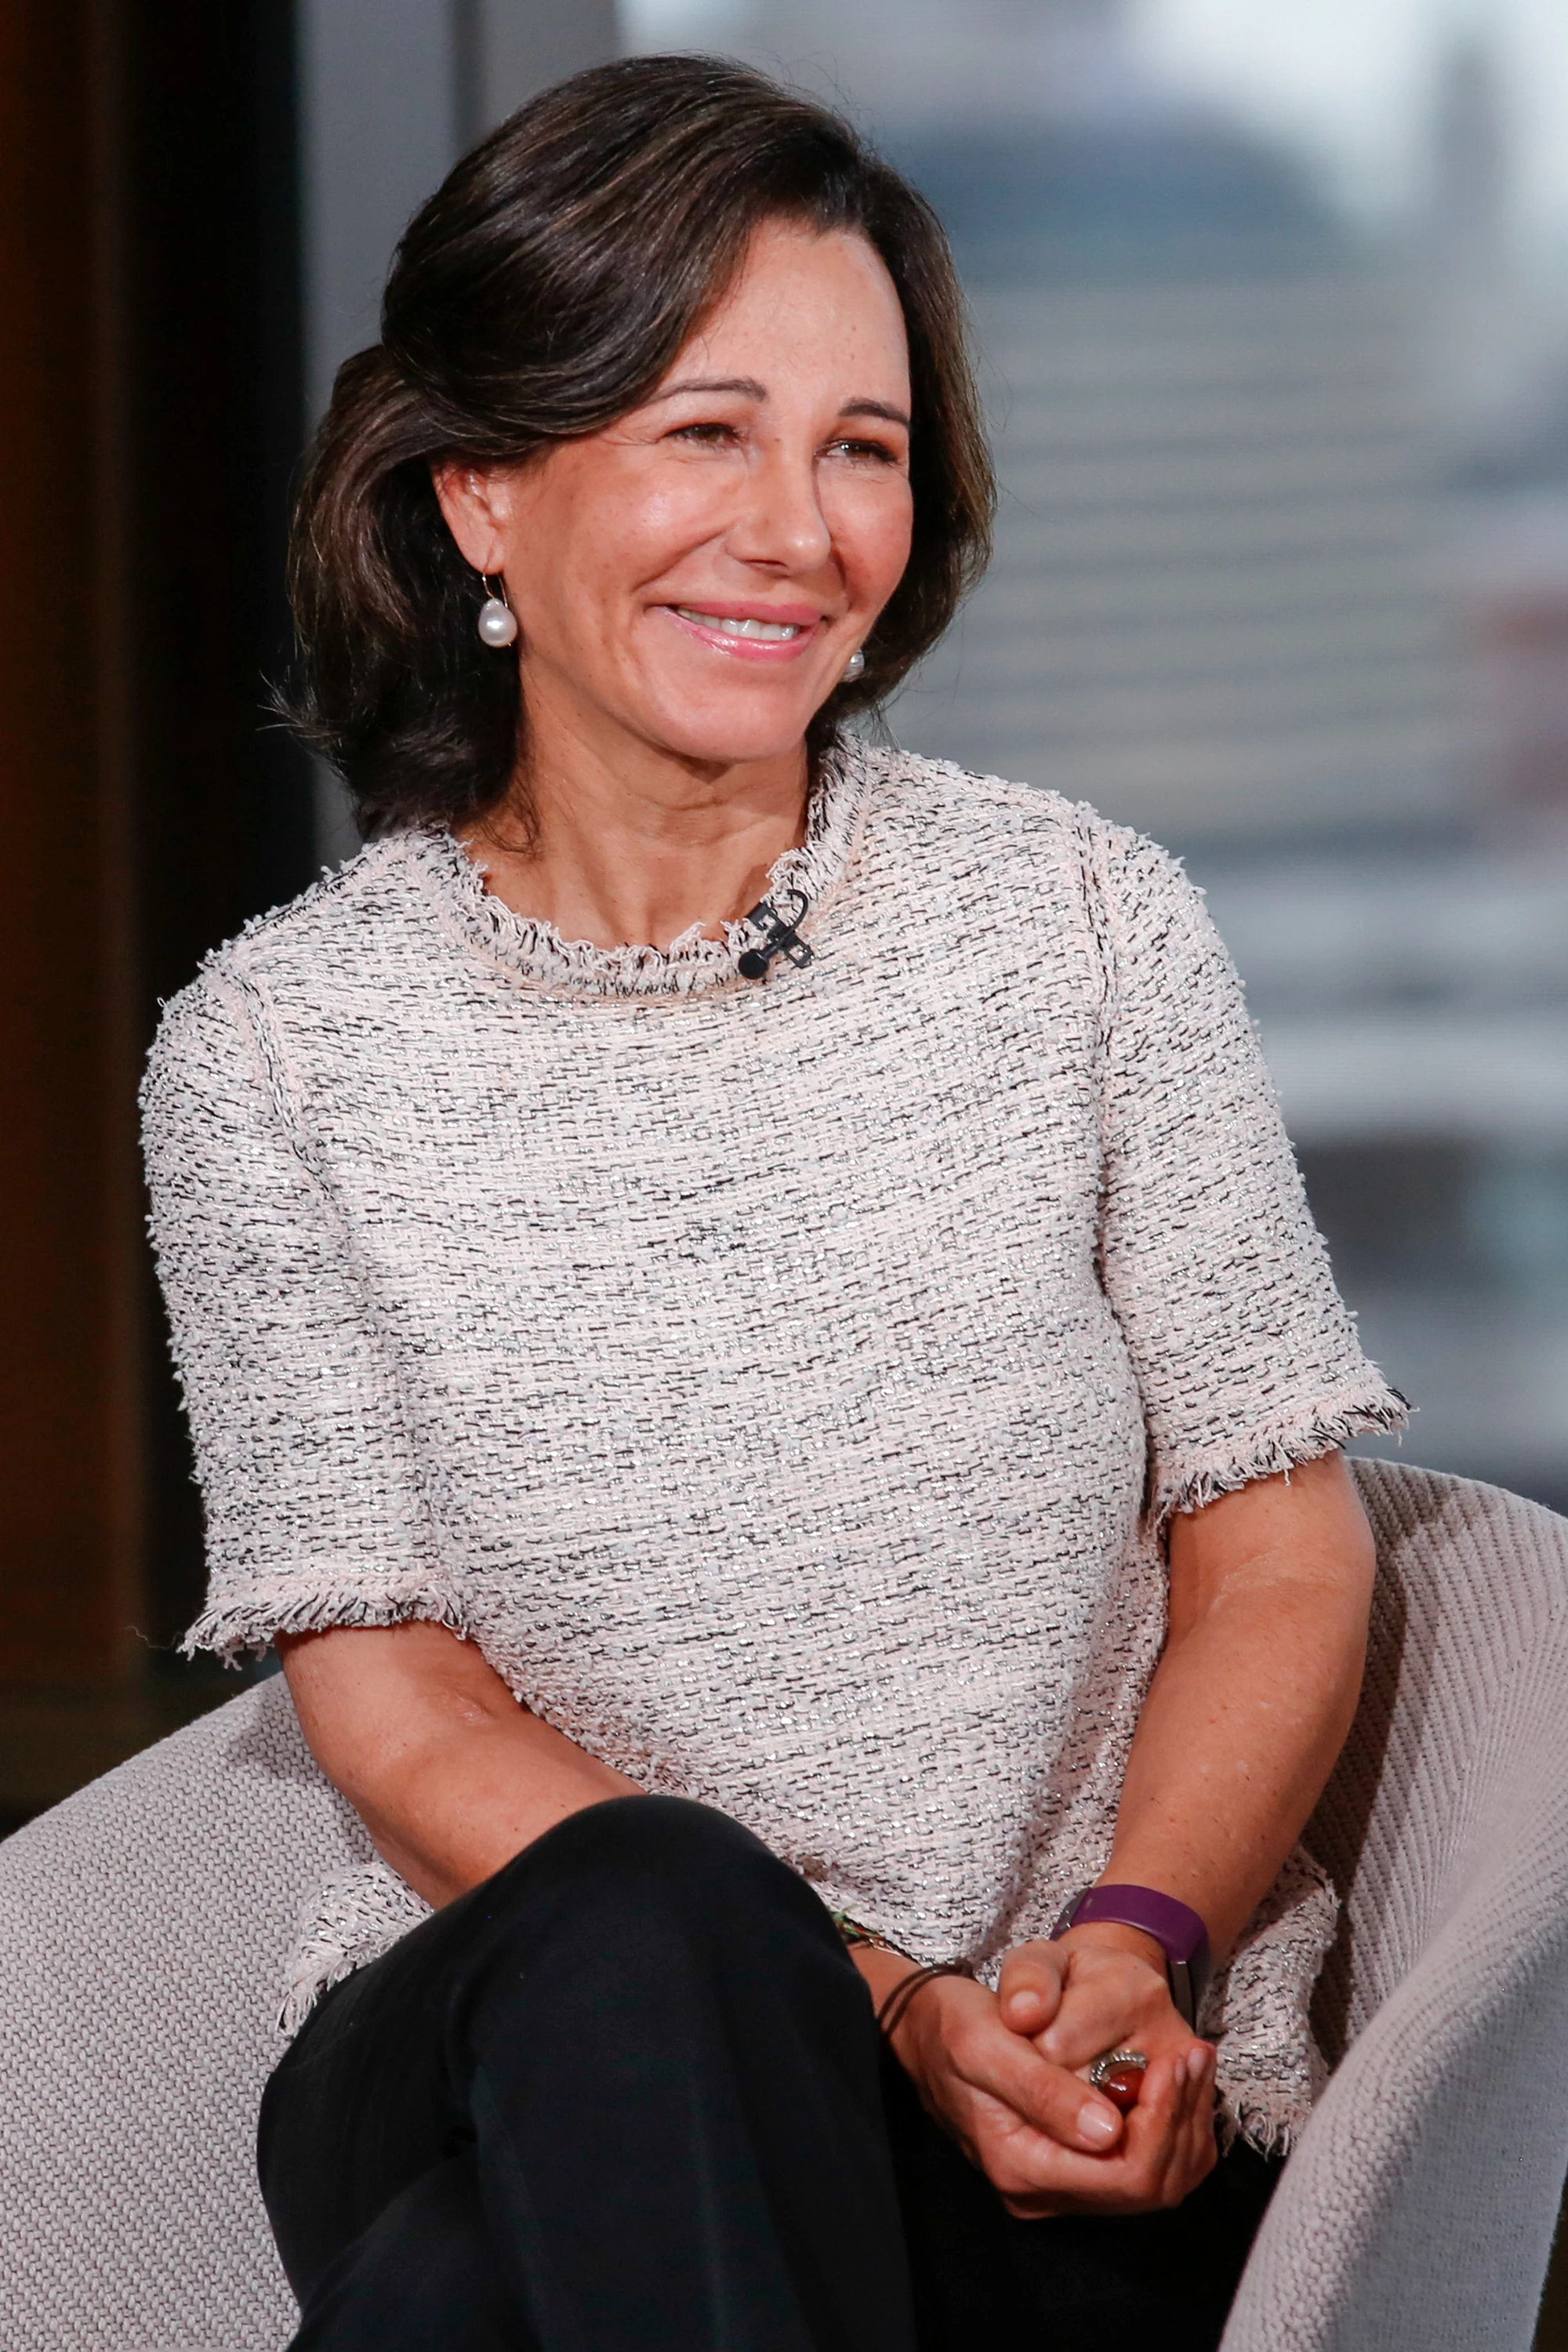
1119, 2075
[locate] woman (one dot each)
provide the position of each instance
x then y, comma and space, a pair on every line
776, 1462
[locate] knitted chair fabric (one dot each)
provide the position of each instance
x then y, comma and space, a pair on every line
144, 1924
1416, 2214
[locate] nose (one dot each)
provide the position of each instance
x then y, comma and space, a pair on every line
781, 524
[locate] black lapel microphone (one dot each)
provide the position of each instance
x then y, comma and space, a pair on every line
779, 937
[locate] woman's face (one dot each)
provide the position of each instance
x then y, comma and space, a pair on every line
699, 573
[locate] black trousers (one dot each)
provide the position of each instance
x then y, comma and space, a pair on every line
628, 2096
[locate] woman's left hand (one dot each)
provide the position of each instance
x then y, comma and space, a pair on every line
1098, 1988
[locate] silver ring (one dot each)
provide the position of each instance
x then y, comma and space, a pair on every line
1109, 2059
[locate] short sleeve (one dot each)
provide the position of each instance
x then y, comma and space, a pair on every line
1246, 1359
313, 1511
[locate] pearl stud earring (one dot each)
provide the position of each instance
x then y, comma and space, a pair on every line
854, 666
498, 622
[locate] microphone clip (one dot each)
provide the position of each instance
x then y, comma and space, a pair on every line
779, 937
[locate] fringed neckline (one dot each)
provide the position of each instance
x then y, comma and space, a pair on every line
690, 965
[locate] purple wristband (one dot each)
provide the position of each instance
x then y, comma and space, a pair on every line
1179, 1932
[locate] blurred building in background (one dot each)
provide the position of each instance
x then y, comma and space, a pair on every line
1282, 579
1213, 606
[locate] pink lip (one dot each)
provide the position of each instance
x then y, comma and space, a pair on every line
806, 618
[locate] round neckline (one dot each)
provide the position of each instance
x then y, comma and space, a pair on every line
691, 965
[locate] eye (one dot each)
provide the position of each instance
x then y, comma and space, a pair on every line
878, 452
709, 435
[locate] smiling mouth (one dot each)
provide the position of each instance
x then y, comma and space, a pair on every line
776, 633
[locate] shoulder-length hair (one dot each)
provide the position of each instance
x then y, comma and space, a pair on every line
544, 292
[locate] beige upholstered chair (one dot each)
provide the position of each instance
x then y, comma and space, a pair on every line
143, 1925
1416, 2214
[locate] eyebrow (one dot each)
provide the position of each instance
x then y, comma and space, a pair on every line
746, 385
748, 388
882, 408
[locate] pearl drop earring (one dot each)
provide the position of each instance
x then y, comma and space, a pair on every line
854, 666
498, 622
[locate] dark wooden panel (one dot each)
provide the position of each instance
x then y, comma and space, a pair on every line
213, 413
61, 1558
149, 418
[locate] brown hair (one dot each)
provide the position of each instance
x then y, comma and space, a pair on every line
544, 292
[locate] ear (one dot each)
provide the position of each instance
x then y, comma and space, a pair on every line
477, 504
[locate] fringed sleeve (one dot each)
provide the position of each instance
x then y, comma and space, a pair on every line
1248, 1361
314, 1516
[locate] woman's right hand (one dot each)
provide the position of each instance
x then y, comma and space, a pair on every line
1046, 2141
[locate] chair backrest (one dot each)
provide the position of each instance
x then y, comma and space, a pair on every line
144, 1923
1417, 2213
143, 1929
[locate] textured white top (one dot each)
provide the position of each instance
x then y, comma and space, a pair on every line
783, 1384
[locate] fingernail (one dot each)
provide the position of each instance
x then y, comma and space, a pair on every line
1197, 2060
1096, 2125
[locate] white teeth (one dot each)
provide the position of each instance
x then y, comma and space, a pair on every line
775, 631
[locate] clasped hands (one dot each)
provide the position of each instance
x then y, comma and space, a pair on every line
1006, 2074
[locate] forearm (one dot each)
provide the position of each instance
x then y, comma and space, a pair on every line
469, 1796
1253, 1696
1229, 1758
450, 1775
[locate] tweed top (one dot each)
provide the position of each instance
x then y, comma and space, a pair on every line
785, 1383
